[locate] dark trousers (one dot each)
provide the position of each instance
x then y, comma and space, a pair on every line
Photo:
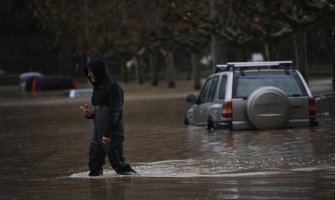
97, 154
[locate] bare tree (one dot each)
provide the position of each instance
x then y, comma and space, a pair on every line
125, 27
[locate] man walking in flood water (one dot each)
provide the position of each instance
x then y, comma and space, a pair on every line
106, 113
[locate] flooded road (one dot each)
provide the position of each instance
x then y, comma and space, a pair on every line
44, 148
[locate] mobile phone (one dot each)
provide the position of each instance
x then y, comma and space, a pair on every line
82, 107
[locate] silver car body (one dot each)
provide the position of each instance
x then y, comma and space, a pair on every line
256, 97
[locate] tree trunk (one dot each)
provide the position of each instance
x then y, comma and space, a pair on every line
300, 52
333, 50
267, 48
153, 69
271, 51
244, 53
138, 70
124, 70
196, 71
170, 70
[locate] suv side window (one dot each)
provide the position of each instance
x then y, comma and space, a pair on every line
205, 91
212, 89
223, 84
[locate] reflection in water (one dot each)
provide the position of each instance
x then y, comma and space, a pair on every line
110, 189
247, 150
44, 156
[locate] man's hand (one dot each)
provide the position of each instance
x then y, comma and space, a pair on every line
87, 111
106, 140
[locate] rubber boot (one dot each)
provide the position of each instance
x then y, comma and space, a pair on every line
96, 160
118, 163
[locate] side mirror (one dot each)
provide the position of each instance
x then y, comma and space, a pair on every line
191, 98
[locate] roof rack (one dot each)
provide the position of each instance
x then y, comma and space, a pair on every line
232, 66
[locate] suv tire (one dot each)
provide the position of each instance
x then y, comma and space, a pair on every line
210, 124
268, 108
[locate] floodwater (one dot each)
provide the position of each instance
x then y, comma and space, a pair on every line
44, 147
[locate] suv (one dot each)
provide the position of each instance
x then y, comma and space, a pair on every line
253, 95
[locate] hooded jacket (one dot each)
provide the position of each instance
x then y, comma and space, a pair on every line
107, 103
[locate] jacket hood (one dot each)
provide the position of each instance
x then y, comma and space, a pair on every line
97, 67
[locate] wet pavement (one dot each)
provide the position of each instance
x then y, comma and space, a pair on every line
44, 147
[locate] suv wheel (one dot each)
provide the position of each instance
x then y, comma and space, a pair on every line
268, 108
210, 124
186, 121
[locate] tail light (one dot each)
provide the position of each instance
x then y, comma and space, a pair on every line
312, 108
34, 85
227, 113
74, 84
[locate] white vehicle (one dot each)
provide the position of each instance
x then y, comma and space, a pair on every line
253, 95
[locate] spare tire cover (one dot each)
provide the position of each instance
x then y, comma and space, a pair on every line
268, 108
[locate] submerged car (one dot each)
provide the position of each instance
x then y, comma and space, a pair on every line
47, 83
253, 95
35, 81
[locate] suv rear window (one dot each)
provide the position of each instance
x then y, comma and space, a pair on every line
246, 83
